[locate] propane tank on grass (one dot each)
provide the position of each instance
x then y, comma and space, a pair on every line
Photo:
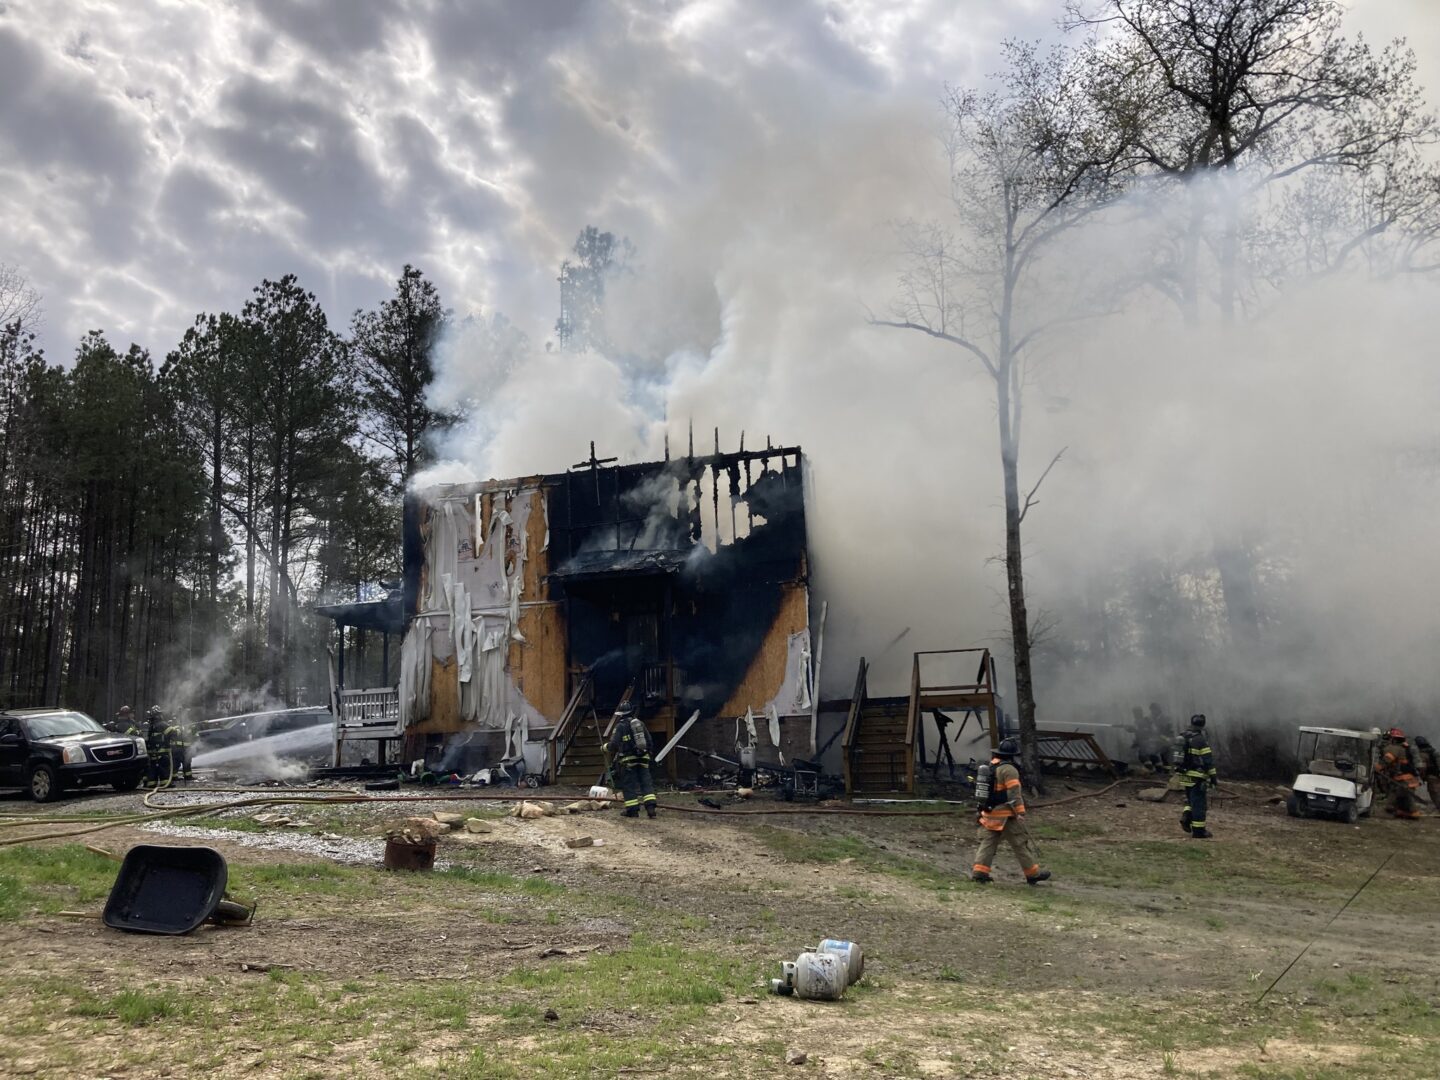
814, 976
785, 985
820, 976
850, 954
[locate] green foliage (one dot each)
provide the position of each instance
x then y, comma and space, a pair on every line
394, 349
193, 514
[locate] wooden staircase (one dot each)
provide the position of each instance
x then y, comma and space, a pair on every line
878, 750
882, 756
584, 761
882, 735
576, 747
577, 744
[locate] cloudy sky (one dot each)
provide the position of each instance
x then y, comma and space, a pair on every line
159, 157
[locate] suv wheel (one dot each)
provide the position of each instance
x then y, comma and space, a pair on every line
44, 784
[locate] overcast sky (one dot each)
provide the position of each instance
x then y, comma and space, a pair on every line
160, 157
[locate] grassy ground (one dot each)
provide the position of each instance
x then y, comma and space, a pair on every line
649, 955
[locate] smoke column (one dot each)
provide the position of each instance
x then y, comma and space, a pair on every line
1296, 452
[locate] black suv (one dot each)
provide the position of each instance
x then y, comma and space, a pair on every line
49, 750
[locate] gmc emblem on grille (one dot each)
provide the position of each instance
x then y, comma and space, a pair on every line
113, 751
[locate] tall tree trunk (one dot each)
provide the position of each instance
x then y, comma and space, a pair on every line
54, 646
249, 659
1188, 283
1229, 252
217, 493
1015, 584
273, 634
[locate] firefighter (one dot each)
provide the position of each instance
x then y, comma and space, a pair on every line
157, 746
1427, 763
1002, 815
125, 722
1195, 767
1149, 741
1398, 772
178, 739
630, 749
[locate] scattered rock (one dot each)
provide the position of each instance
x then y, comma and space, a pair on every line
527, 810
580, 842
551, 1014
453, 820
796, 1057
477, 825
414, 830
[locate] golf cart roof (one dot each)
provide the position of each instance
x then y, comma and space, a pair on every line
1345, 733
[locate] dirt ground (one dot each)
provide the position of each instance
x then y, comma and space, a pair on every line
1145, 956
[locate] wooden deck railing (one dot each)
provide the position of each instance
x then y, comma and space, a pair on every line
852, 721
564, 731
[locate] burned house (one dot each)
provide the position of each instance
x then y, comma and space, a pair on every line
533, 606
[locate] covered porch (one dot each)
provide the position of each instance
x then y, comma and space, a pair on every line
364, 712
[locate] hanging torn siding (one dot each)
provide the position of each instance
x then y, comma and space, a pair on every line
683, 582
480, 597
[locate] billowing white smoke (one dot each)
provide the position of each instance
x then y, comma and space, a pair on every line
1303, 440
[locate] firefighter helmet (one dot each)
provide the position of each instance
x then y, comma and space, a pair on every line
1007, 748
624, 709
125, 710
1198, 720
154, 710
1396, 734
1422, 742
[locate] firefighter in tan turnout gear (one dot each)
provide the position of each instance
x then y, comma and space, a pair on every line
1002, 815
1428, 764
630, 749
1397, 776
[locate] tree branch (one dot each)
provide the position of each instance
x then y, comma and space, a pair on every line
943, 336
1030, 499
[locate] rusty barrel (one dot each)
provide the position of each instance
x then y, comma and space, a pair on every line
400, 855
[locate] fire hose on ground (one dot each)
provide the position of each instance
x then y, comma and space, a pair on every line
268, 797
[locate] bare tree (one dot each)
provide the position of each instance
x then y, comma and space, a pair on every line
1030, 161
1242, 94
19, 302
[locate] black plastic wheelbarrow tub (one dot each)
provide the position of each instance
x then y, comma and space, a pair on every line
166, 890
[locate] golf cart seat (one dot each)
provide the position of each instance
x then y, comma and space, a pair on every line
1344, 770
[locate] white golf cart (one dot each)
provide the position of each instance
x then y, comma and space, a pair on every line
1339, 776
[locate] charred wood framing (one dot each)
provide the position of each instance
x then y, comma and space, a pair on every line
617, 577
